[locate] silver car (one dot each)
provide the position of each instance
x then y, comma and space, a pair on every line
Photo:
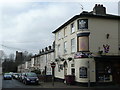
7, 76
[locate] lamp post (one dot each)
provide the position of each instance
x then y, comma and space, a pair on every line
88, 74
53, 67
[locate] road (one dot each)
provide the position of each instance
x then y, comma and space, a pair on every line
16, 84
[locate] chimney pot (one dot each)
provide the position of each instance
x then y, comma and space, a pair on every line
49, 47
42, 50
46, 49
99, 9
101, 5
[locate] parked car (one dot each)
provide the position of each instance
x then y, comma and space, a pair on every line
21, 77
13, 75
30, 78
7, 76
16, 75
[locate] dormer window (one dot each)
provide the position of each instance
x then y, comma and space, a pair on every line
82, 24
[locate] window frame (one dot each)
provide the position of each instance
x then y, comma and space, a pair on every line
73, 45
65, 32
59, 37
86, 25
58, 48
72, 31
65, 47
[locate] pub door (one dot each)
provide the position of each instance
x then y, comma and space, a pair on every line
116, 73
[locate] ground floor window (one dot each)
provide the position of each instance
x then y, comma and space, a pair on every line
83, 72
73, 71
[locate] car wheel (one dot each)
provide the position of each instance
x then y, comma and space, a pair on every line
25, 82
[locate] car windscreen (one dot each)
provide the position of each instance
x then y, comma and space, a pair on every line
31, 75
7, 74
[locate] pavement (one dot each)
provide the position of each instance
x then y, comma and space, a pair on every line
63, 85
57, 85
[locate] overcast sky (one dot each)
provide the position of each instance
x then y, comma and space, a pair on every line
29, 25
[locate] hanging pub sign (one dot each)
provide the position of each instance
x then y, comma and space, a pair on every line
106, 48
80, 55
83, 72
83, 24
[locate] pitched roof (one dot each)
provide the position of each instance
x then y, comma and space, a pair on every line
87, 14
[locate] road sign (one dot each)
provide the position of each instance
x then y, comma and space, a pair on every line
53, 65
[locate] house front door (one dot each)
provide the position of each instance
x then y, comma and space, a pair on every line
65, 68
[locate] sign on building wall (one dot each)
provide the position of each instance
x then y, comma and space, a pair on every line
83, 24
83, 43
106, 48
83, 72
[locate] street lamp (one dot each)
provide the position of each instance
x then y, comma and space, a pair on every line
88, 74
53, 69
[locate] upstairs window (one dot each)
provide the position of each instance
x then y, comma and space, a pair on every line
59, 50
65, 31
65, 47
73, 45
72, 28
59, 37
82, 24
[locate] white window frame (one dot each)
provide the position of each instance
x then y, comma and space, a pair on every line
65, 32
59, 37
73, 47
72, 28
58, 49
65, 47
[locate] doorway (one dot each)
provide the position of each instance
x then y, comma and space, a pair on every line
116, 73
65, 68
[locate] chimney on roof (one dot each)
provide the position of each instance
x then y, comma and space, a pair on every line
42, 50
53, 44
46, 49
99, 9
49, 47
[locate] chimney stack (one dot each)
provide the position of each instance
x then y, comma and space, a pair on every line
46, 49
99, 9
49, 47
42, 50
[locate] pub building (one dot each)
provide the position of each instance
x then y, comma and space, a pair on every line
88, 47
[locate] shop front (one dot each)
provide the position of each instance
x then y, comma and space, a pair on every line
108, 69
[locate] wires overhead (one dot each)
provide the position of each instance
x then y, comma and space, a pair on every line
13, 48
21, 42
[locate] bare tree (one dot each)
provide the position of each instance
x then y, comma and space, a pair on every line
2, 56
12, 57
